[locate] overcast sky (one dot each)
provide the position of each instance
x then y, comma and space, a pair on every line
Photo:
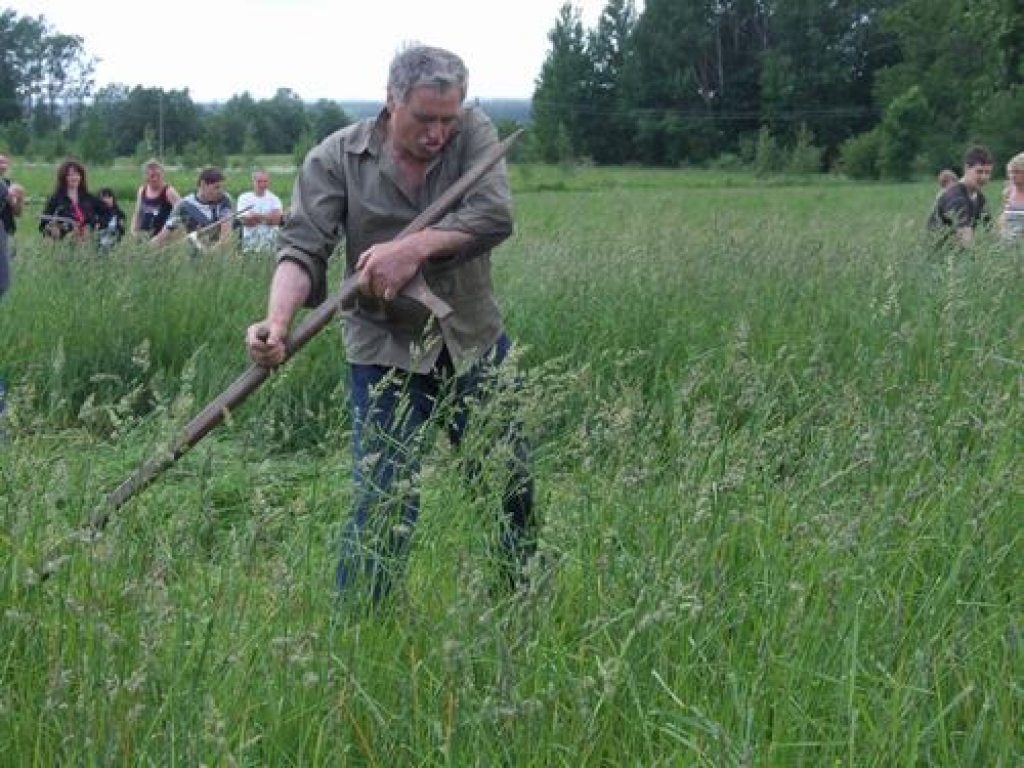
333, 49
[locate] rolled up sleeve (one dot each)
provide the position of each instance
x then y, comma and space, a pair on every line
315, 224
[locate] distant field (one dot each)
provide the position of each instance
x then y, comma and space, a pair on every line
777, 453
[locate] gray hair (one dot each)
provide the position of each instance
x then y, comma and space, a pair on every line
421, 65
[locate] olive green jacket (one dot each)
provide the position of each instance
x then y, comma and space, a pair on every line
347, 189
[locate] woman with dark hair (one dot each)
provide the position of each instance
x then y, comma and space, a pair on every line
70, 210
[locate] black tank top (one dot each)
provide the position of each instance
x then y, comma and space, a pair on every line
153, 211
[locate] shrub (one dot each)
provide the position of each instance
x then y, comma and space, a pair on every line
768, 156
198, 154
94, 146
805, 157
50, 146
17, 137
748, 147
305, 142
147, 146
859, 155
905, 122
727, 161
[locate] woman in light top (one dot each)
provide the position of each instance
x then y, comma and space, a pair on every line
1011, 220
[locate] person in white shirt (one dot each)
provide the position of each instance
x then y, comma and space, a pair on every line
262, 215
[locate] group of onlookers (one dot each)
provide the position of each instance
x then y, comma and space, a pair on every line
73, 214
206, 216
960, 206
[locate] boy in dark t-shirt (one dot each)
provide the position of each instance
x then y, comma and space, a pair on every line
961, 207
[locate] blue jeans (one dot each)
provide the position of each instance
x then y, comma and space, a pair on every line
393, 411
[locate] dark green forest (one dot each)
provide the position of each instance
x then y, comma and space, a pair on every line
888, 87
878, 88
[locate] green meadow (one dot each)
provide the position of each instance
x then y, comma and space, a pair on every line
777, 451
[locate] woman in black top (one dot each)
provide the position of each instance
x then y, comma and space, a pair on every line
154, 201
71, 210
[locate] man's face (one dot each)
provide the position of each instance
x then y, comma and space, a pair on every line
210, 192
260, 182
422, 125
977, 176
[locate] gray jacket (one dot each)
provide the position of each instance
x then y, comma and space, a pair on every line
347, 190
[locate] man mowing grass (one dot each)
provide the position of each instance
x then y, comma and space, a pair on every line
409, 372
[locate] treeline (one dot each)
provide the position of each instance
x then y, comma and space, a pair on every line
49, 108
885, 87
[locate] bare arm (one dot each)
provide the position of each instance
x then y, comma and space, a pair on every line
274, 217
225, 238
288, 290
170, 228
252, 218
137, 215
1004, 212
161, 237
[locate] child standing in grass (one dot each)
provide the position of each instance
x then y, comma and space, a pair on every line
111, 220
946, 178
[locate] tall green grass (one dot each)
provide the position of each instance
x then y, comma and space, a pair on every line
778, 469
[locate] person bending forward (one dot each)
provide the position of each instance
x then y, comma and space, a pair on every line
365, 183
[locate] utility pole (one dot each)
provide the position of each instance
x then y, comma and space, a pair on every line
160, 127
